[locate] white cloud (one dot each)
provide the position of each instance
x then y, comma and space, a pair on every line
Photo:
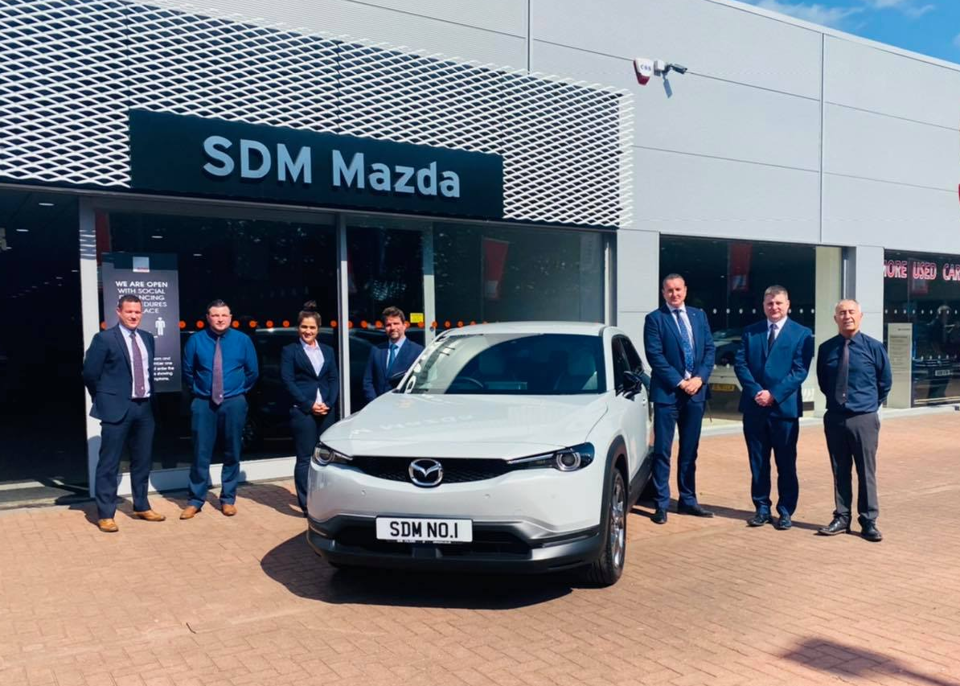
911, 8
816, 13
956, 40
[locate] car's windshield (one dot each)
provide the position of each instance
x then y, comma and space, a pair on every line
511, 364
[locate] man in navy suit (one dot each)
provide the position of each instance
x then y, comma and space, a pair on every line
118, 372
680, 350
772, 363
390, 358
309, 373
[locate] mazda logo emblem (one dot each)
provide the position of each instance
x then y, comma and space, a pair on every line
426, 473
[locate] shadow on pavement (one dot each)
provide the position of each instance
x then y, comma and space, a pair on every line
272, 495
295, 565
843, 660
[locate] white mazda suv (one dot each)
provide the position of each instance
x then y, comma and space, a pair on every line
505, 447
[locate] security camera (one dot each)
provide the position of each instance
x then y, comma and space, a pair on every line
644, 69
679, 68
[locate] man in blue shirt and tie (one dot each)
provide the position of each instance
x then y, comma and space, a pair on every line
680, 350
853, 372
772, 363
219, 367
391, 358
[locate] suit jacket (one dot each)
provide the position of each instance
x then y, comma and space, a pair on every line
302, 383
781, 371
107, 373
664, 349
375, 379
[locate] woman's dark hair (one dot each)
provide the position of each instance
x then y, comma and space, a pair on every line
309, 311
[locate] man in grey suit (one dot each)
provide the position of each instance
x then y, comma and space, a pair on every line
118, 372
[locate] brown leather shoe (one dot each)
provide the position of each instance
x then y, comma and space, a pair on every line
108, 526
189, 512
228, 509
150, 516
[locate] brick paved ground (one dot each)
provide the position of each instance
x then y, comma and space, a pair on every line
220, 601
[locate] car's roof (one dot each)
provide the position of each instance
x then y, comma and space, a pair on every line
575, 328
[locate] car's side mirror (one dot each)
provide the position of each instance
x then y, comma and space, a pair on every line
634, 381
395, 379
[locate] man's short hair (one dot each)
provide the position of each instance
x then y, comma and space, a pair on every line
671, 277
216, 303
846, 300
128, 299
776, 289
393, 312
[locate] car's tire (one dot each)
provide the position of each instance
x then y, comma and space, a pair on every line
606, 569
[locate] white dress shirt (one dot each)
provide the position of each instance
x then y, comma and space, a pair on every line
143, 359
315, 355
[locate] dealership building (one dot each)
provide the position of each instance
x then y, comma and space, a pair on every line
467, 162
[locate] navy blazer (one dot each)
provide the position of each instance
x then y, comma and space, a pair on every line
664, 350
375, 381
302, 383
107, 373
781, 371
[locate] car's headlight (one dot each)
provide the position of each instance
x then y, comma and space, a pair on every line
565, 460
324, 455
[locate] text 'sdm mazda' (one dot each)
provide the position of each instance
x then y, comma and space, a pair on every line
506, 447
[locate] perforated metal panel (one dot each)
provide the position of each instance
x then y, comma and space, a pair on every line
72, 69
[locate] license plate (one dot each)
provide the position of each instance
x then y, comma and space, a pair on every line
407, 530
723, 387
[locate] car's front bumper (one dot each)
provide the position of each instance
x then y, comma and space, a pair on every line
497, 547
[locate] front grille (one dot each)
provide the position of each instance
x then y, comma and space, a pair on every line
455, 470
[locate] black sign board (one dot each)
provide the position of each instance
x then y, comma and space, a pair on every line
155, 280
196, 156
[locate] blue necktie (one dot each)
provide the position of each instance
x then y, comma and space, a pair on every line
685, 344
392, 357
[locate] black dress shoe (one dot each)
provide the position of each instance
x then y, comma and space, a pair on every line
837, 526
694, 510
871, 533
659, 517
784, 522
759, 519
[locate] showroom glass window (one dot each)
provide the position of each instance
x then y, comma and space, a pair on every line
726, 279
924, 292
497, 274
265, 270
42, 419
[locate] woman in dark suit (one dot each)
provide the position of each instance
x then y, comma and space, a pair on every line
309, 373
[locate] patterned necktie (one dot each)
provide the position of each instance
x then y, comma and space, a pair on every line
843, 374
772, 337
685, 343
392, 357
216, 389
136, 361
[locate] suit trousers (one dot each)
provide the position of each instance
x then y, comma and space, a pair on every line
687, 416
136, 429
208, 423
306, 430
852, 440
764, 433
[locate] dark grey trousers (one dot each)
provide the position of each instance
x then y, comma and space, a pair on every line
852, 441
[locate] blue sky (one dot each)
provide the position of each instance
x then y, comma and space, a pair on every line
930, 27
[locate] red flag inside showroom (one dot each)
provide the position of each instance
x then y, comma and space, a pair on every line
494, 262
740, 255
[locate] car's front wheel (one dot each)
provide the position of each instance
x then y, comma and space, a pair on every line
606, 569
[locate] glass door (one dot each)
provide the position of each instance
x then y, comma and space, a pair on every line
385, 258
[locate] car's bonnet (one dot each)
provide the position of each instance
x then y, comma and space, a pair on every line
407, 425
